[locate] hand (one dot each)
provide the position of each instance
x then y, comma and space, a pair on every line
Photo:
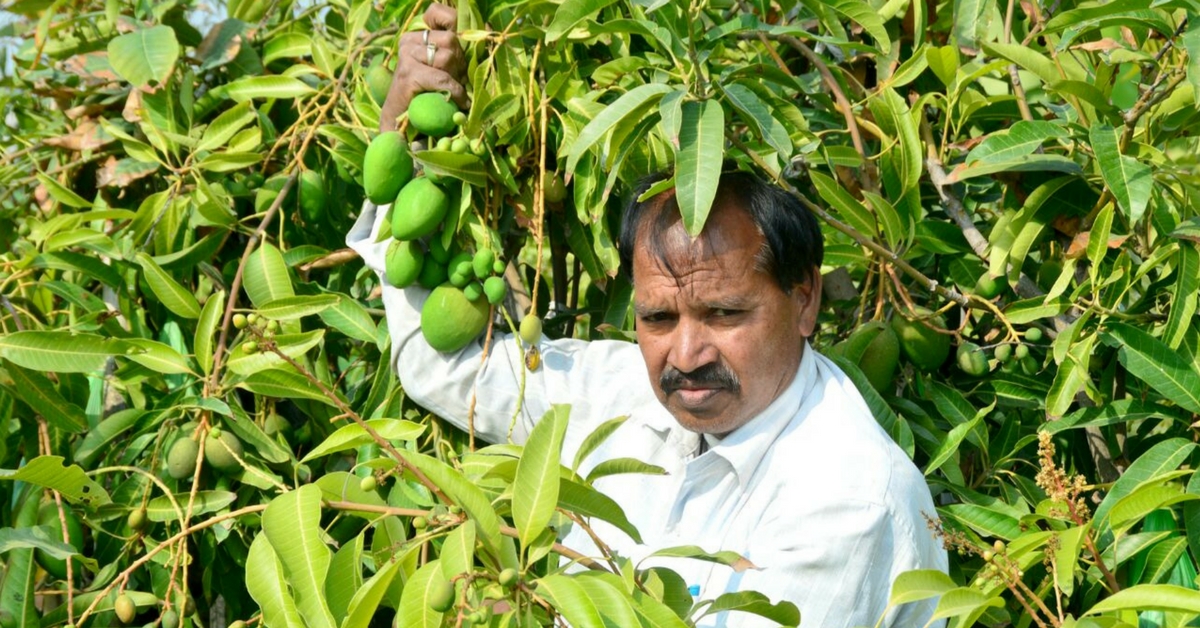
414, 75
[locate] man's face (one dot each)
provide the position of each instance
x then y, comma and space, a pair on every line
720, 338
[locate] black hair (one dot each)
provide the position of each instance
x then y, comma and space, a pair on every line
793, 249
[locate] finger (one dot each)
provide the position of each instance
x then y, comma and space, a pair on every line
441, 17
449, 55
434, 80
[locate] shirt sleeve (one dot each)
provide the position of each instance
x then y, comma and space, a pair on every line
496, 390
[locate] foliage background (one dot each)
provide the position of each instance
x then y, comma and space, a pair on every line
148, 170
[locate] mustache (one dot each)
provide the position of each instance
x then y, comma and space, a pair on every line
714, 375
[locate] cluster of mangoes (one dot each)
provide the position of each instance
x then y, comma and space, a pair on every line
876, 347
442, 597
463, 283
221, 452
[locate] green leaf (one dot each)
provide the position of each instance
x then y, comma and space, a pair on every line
40, 394
596, 438
612, 115
570, 13
465, 494
1025, 163
172, 295
1153, 362
352, 319
292, 345
608, 593
161, 509
1187, 288
155, 356
1031, 60
458, 552
145, 55
1066, 558
1129, 180
1021, 139
414, 611
49, 472
366, 600
18, 592
292, 308
1162, 559
228, 162
759, 115
569, 599
698, 161
62, 193
267, 584
1147, 597
950, 445
985, 520
616, 466
226, 126
535, 489
287, 45
251, 87
353, 435
730, 559
266, 276
784, 613
1144, 500
904, 159
292, 523
58, 351
210, 317
1164, 457
868, 18
589, 502
853, 212
344, 578
38, 537
463, 166
284, 385
944, 63
919, 584
963, 601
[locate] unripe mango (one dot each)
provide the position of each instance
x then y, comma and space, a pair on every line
531, 329
216, 454
181, 458
441, 596
433, 274
482, 263
926, 348
418, 210
379, 81
875, 349
403, 263
125, 608
432, 113
387, 167
971, 359
449, 321
495, 288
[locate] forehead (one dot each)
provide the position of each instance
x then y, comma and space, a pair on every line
724, 258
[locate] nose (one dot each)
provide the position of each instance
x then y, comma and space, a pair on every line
691, 346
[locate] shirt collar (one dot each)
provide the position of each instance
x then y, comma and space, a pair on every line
745, 447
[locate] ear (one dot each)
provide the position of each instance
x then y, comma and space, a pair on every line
807, 297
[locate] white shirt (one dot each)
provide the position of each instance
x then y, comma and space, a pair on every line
812, 491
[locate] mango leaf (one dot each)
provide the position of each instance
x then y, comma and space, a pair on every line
465, 494
759, 115
145, 55
853, 212
210, 317
40, 394
596, 438
352, 319
1187, 288
62, 193
1145, 597
292, 523
535, 489
1129, 180
354, 435
963, 601
868, 18
292, 345
366, 600
698, 161
608, 593
18, 592
284, 385
227, 125
569, 599
172, 295
292, 308
156, 356
784, 613
267, 584
466, 167
415, 611
1023, 163
950, 445
1066, 558
985, 520
611, 116
38, 537
589, 502
344, 578
730, 559
570, 13
1153, 362
49, 472
1144, 500
902, 165
1162, 458
251, 87
58, 351
616, 466
1022, 138
458, 552
161, 509
266, 276
919, 584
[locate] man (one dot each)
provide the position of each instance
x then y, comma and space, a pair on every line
768, 448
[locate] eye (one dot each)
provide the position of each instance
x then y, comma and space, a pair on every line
726, 312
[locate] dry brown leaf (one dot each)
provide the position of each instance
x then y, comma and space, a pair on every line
87, 136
